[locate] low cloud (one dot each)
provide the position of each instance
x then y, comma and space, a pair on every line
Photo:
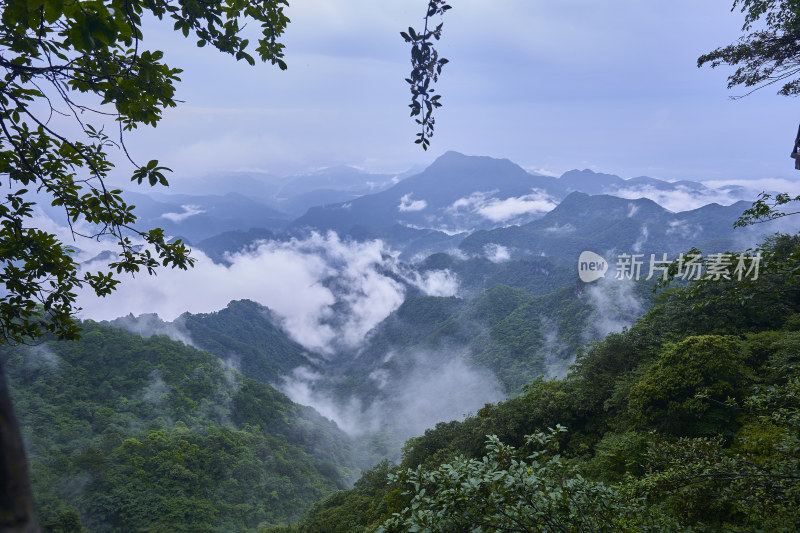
406, 204
560, 229
757, 185
439, 386
616, 307
681, 198
503, 210
683, 229
641, 239
42, 357
434, 282
543, 172
328, 292
496, 253
150, 324
188, 211
554, 348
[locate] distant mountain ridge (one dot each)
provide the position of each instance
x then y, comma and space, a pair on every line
606, 223
462, 194
430, 199
479, 205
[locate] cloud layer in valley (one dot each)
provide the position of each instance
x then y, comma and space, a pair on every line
440, 386
328, 292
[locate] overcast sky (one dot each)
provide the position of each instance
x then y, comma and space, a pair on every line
552, 85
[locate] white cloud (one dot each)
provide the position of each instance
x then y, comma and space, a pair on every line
496, 253
435, 282
679, 227
643, 234
471, 202
616, 307
440, 385
502, 210
680, 199
406, 204
758, 185
543, 171
188, 211
442, 229
328, 292
560, 228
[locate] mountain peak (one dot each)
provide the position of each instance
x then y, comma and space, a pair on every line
581, 205
451, 155
589, 181
452, 160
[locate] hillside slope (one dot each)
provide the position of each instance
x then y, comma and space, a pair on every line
132, 434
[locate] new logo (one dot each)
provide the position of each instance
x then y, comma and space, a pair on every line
591, 266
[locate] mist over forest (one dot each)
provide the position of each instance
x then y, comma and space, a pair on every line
520, 267
338, 327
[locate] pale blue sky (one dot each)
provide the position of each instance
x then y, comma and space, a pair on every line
551, 85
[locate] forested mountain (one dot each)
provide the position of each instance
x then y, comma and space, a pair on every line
245, 335
689, 421
504, 332
511, 322
133, 434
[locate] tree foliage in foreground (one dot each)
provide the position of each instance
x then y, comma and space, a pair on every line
503, 492
76, 77
426, 68
769, 54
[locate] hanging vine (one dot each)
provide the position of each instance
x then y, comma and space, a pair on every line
426, 69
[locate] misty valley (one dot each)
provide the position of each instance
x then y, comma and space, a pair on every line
356, 352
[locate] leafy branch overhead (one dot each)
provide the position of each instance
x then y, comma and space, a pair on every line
769, 54
81, 66
426, 68
767, 208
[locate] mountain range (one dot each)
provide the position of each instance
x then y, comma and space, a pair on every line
452, 203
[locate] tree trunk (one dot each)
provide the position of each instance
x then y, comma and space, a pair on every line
17, 514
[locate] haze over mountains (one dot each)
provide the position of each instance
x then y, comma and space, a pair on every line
431, 211
468, 265
466, 269
458, 228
